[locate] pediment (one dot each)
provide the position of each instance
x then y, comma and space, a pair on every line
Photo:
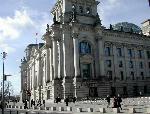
86, 59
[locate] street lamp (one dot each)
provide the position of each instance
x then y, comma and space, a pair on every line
4, 57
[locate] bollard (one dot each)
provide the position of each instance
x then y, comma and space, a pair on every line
53, 108
17, 112
102, 110
46, 108
116, 110
61, 108
26, 112
10, 111
89, 109
132, 110
79, 109
148, 110
69, 108
20, 107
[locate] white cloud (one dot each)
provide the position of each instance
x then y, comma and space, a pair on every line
11, 27
7, 48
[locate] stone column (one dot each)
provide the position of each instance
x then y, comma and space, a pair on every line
126, 62
145, 63
76, 55
47, 65
60, 65
115, 65
39, 75
55, 58
101, 56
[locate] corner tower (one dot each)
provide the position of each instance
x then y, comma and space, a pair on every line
85, 11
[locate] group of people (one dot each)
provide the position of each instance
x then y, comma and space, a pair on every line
33, 103
67, 100
116, 101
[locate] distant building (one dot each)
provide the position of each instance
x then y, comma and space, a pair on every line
82, 58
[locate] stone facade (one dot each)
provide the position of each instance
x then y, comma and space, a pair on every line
82, 58
146, 27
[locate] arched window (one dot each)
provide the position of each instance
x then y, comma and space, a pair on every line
85, 48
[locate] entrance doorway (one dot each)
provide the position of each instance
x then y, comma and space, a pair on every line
113, 91
93, 92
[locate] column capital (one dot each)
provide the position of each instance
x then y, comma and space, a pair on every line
75, 35
97, 38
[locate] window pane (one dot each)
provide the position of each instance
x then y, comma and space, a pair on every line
148, 54
86, 70
108, 63
85, 48
119, 52
120, 64
107, 51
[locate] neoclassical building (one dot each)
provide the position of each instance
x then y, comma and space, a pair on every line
80, 57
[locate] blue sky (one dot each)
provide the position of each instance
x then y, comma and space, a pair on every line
21, 19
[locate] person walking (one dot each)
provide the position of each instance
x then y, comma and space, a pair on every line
67, 100
74, 99
115, 102
108, 100
31, 102
44, 103
119, 100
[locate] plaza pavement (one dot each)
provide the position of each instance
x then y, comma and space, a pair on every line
140, 105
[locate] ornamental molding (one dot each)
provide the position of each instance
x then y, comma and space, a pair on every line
125, 35
88, 2
85, 28
127, 45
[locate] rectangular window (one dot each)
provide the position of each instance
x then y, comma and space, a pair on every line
120, 64
86, 71
109, 74
108, 63
148, 54
142, 75
140, 54
141, 65
132, 75
107, 51
121, 74
149, 65
130, 64
119, 52
130, 53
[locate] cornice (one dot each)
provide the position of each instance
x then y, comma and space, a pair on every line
128, 45
125, 35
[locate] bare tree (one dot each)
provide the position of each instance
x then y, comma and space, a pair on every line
8, 90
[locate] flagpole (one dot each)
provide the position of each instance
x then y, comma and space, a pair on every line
36, 38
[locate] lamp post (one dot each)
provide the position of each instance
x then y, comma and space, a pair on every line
3, 57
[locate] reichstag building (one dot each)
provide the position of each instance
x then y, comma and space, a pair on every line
82, 58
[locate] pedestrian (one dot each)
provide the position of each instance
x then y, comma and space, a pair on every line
119, 100
67, 100
26, 104
31, 102
56, 99
115, 102
44, 103
140, 94
74, 99
108, 100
